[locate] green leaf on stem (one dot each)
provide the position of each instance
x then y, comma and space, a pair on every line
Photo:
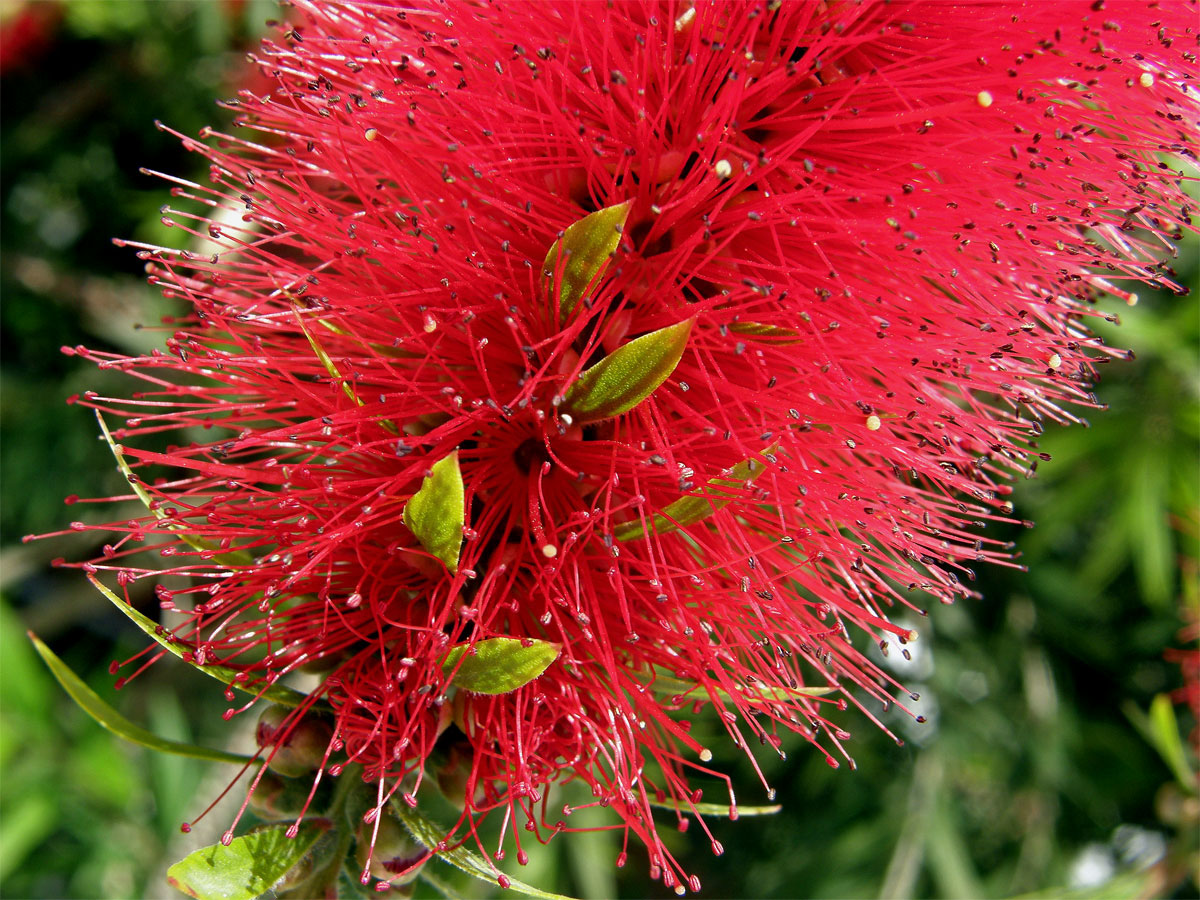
628, 375
718, 809
587, 246
228, 558
430, 835
691, 509
249, 867
275, 693
92, 704
669, 685
436, 513
498, 665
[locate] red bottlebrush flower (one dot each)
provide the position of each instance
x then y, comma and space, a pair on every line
832, 272
26, 31
1189, 667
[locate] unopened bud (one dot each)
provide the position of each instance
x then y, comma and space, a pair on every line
296, 876
296, 745
452, 771
277, 798
395, 856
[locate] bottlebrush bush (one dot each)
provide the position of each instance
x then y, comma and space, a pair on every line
555, 371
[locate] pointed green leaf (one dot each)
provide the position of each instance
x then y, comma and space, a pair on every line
94, 706
230, 558
436, 513
430, 834
275, 693
249, 867
498, 665
326, 360
671, 686
628, 375
1164, 734
718, 809
770, 334
688, 510
588, 245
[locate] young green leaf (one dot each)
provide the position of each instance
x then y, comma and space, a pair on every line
688, 510
430, 834
227, 558
718, 809
327, 361
92, 704
628, 375
498, 665
249, 867
768, 334
436, 512
677, 687
587, 246
275, 693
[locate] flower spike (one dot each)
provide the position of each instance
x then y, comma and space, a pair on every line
565, 369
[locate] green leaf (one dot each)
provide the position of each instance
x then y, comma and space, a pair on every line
1148, 521
1161, 730
628, 375
718, 809
275, 693
326, 360
94, 706
436, 513
690, 509
768, 334
672, 686
29, 819
498, 665
588, 246
248, 867
1168, 741
430, 834
230, 558
330, 367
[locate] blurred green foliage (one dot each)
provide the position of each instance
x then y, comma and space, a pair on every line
1031, 776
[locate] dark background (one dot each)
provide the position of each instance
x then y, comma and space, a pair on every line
1036, 772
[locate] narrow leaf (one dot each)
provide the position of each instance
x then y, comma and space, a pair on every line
692, 508
768, 334
436, 513
276, 693
498, 665
94, 706
327, 361
718, 809
588, 245
1164, 734
430, 835
228, 558
249, 867
628, 375
670, 686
